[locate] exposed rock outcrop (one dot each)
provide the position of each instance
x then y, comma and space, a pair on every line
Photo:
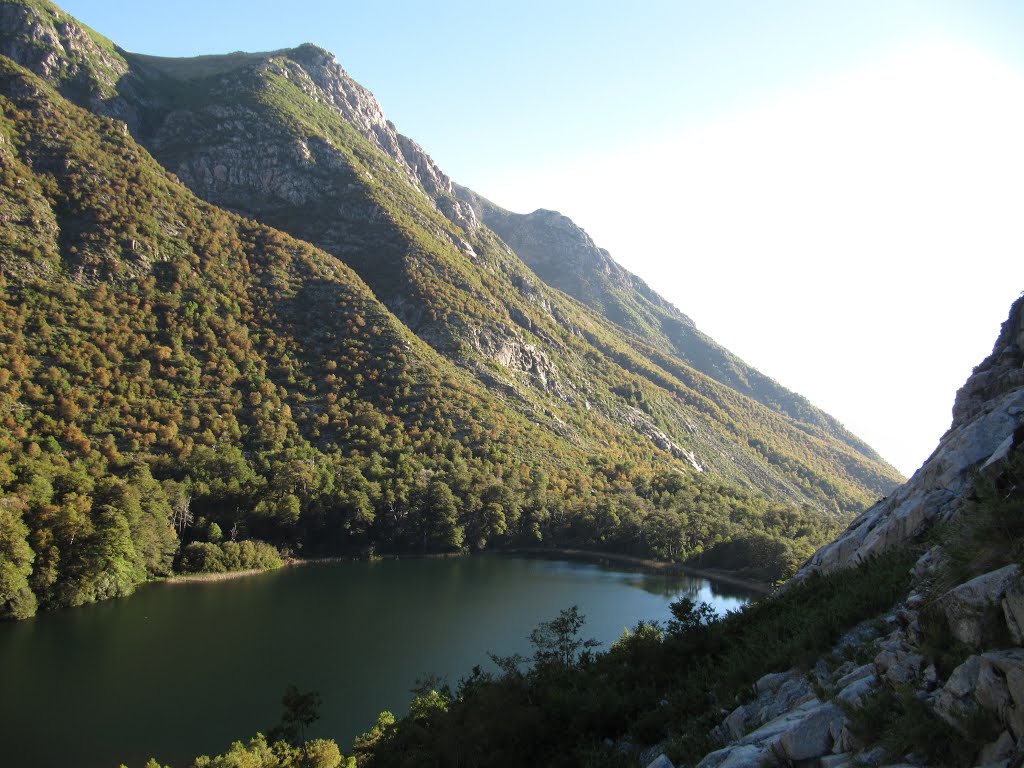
324, 80
993, 682
967, 609
1000, 373
789, 722
642, 424
988, 423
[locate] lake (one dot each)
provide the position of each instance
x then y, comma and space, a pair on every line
181, 669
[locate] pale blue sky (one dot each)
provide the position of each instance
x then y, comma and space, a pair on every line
831, 189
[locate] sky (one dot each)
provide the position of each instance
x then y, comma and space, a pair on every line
832, 190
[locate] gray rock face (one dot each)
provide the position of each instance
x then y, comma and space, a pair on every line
1013, 612
643, 424
811, 730
85, 68
988, 423
776, 694
967, 607
324, 79
998, 751
934, 494
1001, 372
661, 761
788, 722
514, 354
993, 681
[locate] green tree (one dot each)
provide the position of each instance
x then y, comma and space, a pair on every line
301, 710
558, 642
439, 518
214, 534
17, 600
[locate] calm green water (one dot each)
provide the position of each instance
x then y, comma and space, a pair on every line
183, 669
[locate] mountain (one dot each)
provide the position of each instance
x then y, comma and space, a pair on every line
236, 296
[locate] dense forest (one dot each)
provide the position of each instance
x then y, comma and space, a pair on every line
289, 139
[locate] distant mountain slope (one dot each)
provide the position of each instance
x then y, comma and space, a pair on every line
566, 258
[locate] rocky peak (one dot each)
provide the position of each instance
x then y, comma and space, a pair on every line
1000, 372
335, 88
561, 253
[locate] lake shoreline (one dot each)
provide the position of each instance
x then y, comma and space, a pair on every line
712, 574
290, 562
358, 631
193, 578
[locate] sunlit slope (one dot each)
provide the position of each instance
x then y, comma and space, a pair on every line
565, 257
289, 139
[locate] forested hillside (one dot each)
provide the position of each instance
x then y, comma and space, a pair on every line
899, 644
182, 386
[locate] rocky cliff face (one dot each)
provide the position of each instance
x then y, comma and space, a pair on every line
86, 67
988, 424
326, 82
1001, 373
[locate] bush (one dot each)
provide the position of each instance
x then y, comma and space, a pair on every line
206, 557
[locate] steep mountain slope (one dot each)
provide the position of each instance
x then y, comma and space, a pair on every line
143, 330
287, 137
444, 398
566, 258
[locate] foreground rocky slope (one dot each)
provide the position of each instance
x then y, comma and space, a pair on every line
288, 138
986, 429
938, 680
